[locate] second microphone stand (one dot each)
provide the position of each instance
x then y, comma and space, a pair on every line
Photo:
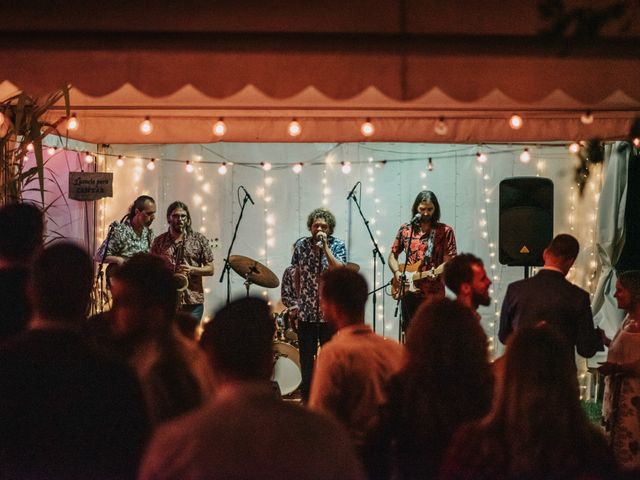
227, 267
376, 254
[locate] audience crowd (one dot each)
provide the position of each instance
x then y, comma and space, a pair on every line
133, 393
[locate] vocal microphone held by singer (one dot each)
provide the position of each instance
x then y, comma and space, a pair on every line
190, 255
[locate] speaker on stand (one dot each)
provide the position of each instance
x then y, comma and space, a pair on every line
525, 221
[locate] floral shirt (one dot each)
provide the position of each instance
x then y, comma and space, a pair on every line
125, 242
430, 249
311, 263
197, 253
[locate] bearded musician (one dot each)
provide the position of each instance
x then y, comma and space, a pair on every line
190, 255
130, 236
427, 245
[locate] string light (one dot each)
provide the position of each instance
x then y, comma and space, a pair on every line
189, 167
430, 164
367, 129
574, 147
525, 156
30, 147
220, 128
441, 127
222, 169
120, 161
481, 157
297, 168
346, 167
146, 127
266, 166
636, 142
88, 158
587, 118
51, 150
294, 128
515, 121
73, 123
152, 164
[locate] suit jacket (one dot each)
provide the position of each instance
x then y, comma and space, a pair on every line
550, 297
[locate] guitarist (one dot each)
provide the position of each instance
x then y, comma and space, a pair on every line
130, 236
428, 245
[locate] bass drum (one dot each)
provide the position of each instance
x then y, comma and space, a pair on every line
286, 368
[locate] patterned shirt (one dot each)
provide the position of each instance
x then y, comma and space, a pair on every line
125, 242
289, 287
197, 253
308, 260
430, 250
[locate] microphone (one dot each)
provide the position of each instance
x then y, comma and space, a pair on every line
353, 191
247, 195
416, 218
321, 239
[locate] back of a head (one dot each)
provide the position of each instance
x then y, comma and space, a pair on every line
22, 228
62, 278
239, 340
446, 342
540, 376
152, 277
564, 246
458, 271
347, 290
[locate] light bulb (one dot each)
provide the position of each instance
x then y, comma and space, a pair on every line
295, 128
441, 127
346, 167
266, 166
587, 118
219, 128
297, 168
222, 169
120, 161
430, 165
515, 121
367, 129
30, 147
88, 158
73, 123
574, 147
481, 157
152, 164
188, 167
636, 142
525, 156
146, 127
51, 150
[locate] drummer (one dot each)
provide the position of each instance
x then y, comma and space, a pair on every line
311, 256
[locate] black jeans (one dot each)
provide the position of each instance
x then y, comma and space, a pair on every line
308, 333
409, 304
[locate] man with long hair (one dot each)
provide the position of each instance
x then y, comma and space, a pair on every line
190, 255
427, 245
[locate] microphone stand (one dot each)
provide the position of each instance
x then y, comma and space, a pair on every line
402, 283
227, 267
376, 255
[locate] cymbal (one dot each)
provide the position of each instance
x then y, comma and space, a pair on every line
353, 266
253, 271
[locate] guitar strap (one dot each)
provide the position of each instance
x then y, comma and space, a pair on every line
430, 243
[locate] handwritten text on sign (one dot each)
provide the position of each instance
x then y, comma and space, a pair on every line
90, 185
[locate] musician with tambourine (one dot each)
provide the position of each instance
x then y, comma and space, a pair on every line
428, 245
131, 235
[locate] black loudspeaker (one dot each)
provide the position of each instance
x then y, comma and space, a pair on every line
525, 220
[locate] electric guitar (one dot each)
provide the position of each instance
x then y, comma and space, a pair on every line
413, 276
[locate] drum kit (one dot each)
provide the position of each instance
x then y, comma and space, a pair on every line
286, 356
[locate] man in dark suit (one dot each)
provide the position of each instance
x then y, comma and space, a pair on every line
549, 297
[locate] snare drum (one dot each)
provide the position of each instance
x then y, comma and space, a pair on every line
286, 368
